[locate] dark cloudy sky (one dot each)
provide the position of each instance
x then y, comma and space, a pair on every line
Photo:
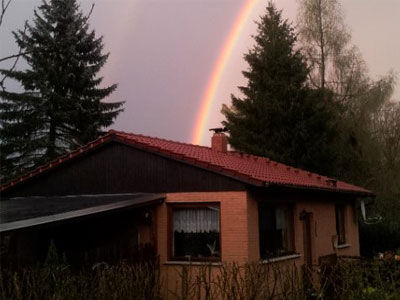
163, 52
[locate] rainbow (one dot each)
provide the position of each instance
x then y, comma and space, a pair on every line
211, 88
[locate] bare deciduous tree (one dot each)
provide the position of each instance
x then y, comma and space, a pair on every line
324, 36
335, 63
387, 130
4, 6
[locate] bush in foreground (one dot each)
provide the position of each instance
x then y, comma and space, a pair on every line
358, 280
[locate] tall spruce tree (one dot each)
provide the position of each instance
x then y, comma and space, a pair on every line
61, 104
279, 116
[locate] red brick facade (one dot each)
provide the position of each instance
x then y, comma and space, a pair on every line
240, 234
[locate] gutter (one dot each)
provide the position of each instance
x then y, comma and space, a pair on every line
321, 189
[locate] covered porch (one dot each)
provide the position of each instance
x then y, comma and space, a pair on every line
88, 229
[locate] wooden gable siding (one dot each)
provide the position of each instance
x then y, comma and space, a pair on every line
118, 168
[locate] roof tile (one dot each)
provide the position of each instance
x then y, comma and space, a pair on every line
235, 164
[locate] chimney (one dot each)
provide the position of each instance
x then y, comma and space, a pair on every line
219, 141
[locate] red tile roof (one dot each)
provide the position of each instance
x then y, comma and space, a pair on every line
248, 168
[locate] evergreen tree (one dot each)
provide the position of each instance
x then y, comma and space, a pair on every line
61, 105
279, 116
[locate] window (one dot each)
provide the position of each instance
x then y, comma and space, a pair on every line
340, 223
276, 230
196, 233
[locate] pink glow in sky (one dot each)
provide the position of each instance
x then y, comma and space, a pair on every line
163, 53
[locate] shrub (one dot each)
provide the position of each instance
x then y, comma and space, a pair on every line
347, 280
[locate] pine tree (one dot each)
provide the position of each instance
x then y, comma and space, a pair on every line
61, 105
279, 116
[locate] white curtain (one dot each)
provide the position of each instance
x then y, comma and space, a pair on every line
196, 220
280, 218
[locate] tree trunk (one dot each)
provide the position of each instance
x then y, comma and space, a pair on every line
321, 45
51, 147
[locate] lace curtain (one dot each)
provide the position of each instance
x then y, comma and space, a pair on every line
280, 219
196, 220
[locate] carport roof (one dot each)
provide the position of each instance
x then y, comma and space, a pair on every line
25, 212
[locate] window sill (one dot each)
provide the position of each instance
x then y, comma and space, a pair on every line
280, 258
342, 246
193, 263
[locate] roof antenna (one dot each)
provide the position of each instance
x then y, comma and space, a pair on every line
219, 129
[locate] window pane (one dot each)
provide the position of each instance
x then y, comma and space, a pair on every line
196, 233
340, 226
275, 228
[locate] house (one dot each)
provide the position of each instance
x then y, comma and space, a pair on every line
190, 203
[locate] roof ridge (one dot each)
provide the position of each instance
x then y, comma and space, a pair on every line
157, 138
52, 163
252, 168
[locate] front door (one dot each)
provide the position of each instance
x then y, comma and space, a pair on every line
307, 219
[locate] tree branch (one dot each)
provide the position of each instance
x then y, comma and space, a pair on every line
4, 6
16, 56
89, 14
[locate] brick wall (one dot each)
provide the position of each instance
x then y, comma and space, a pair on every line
239, 224
234, 230
323, 224
324, 228
234, 219
239, 228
